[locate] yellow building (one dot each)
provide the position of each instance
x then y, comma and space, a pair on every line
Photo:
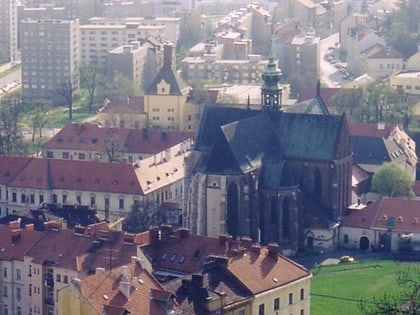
165, 101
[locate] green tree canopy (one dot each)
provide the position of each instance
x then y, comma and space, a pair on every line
390, 180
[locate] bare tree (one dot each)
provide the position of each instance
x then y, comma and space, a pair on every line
113, 146
39, 120
91, 78
67, 91
10, 133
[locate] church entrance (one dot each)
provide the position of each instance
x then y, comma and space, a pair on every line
364, 243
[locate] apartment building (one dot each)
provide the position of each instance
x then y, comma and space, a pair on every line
406, 82
97, 40
171, 25
50, 58
8, 31
380, 62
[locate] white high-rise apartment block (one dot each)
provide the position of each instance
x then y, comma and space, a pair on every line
50, 58
8, 31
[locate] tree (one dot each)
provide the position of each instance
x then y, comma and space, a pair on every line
113, 146
407, 301
140, 219
120, 88
390, 180
39, 119
91, 78
10, 133
67, 91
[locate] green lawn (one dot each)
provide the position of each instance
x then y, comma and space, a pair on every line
337, 289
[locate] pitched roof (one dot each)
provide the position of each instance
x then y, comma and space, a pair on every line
91, 137
102, 291
396, 214
10, 167
133, 105
77, 175
380, 130
15, 241
167, 74
259, 272
245, 137
379, 51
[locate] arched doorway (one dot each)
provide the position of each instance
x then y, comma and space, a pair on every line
364, 243
233, 210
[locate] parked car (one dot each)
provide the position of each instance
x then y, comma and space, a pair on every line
346, 259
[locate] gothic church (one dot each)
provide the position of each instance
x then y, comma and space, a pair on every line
266, 173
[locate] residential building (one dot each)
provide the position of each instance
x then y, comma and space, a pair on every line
97, 40
388, 224
380, 62
50, 59
232, 276
8, 31
88, 142
14, 242
129, 288
123, 114
135, 61
166, 99
256, 171
407, 83
413, 63
170, 25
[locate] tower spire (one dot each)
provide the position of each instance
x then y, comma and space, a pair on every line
270, 90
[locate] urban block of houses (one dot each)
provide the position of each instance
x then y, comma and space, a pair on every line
94, 270
92, 142
373, 145
387, 224
112, 189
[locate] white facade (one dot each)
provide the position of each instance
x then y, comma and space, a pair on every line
8, 31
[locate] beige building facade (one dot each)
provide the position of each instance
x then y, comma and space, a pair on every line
8, 31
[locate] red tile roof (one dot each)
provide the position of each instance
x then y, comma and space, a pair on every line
370, 130
14, 248
398, 214
134, 104
261, 272
310, 93
75, 175
10, 166
91, 137
103, 290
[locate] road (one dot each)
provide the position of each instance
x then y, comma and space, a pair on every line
9, 82
330, 75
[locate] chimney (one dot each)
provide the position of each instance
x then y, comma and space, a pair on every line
273, 251
155, 235
30, 227
52, 225
99, 270
16, 235
197, 280
246, 242
14, 224
167, 54
125, 285
182, 233
256, 248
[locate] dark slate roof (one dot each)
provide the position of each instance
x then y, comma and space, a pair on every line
375, 151
238, 140
310, 137
213, 118
166, 73
315, 106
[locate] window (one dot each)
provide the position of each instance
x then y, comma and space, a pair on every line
121, 203
106, 201
18, 274
64, 199
5, 291
19, 310
19, 294
79, 199
276, 304
65, 279
261, 309
30, 290
302, 312
41, 199
5, 272
32, 198
14, 197
81, 156
241, 312
302, 294
54, 197
23, 198
290, 298
30, 271
92, 201
50, 154
58, 278
346, 239
65, 155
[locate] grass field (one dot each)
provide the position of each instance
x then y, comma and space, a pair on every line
337, 289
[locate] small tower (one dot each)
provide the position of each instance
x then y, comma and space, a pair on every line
270, 90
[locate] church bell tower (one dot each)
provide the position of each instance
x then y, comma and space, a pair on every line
271, 90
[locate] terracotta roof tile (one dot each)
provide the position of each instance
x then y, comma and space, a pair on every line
103, 290
261, 272
13, 248
10, 166
370, 130
133, 104
77, 175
